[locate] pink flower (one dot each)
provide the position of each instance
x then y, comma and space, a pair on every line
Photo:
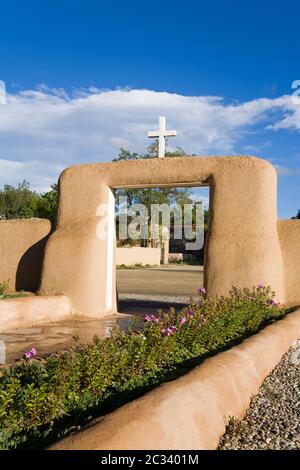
151, 318
190, 313
30, 354
169, 331
182, 320
260, 286
202, 291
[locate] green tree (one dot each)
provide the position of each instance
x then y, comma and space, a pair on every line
47, 204
22, 203
297, 216
153, 195
163, 195
17, 203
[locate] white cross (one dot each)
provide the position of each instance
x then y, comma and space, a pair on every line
161, 133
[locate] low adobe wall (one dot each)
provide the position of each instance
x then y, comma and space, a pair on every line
191, 412
22, 244
138, 255
289, 236
24, 312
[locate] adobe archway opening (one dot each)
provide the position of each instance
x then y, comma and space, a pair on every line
160, 237
243, 248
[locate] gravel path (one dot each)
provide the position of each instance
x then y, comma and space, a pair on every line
273, 419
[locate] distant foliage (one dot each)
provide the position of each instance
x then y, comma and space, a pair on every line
297, 216
22, 203
42, 399
153, 195
149, 196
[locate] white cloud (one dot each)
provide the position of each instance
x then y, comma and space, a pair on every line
9, 166
42, 131
286, 171
39, 175
291, 119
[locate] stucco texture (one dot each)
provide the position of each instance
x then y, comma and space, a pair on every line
243, 246
138, 255
289, 235
22, 244
24, 312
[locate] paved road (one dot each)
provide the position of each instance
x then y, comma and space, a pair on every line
146, 290
162, 281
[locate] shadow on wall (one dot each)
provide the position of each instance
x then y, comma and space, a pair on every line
29, 270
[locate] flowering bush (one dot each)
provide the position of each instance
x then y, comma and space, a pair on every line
42, 398
30, 354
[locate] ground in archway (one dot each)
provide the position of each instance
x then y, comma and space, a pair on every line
156, 287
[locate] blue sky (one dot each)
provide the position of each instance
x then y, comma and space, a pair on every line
85, 77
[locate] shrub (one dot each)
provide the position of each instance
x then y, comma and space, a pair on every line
41, 399
3, 288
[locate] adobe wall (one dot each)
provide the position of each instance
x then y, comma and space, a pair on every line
24, 312
289, 236
243, 246
22, 244
138, 255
